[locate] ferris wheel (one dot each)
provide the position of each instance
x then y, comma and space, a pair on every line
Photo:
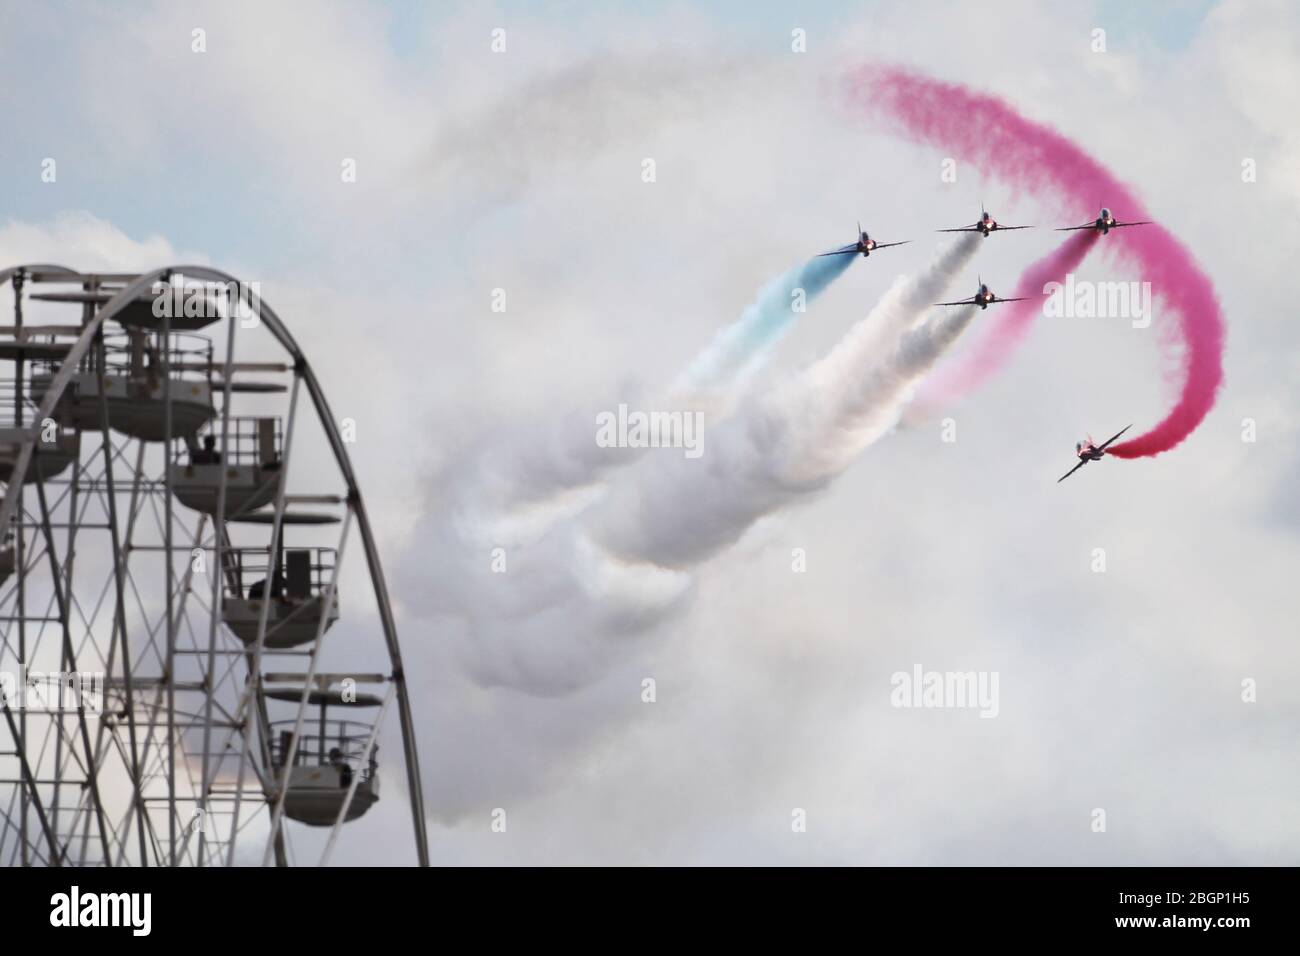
192, 670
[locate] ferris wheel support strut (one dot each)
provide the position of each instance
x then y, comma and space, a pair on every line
366, 751
30, 790
70, 662
288, 758
253, 688
119, 620
217, 556
170, 577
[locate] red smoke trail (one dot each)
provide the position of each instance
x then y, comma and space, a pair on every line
1007, 326
988, 133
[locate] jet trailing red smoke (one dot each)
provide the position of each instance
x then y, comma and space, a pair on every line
992, 136
1005, 328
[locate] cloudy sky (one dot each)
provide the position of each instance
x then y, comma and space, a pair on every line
522, 170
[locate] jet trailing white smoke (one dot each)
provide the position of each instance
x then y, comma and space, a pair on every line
536, 476
502, 541
795, 440
544, 605
849, 398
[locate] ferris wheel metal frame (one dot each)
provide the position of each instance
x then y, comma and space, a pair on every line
134, 837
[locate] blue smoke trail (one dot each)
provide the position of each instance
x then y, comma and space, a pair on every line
737, 350
567, 459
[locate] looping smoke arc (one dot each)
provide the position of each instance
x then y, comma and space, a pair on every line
992, 136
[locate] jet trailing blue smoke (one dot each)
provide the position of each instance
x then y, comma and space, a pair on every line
745, 344
533, 474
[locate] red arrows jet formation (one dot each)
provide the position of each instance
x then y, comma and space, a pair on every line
865, 245
1088, 450
1104, 223
986, 225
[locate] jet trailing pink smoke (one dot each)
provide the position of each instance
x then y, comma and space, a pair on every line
989, 134
1006, 326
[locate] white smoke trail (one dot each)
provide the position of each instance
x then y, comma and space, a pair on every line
503, 544
794, 441
536, 477
842, 406
551, 616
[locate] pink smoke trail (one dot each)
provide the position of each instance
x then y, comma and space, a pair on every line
1007, 325
988, 133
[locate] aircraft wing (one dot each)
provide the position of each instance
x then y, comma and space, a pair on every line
886, 245
1116, 435
1091, 225
1144, 222
1001, 227
847, 250
1082, 462
1023, 298
974, 228
970, 301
